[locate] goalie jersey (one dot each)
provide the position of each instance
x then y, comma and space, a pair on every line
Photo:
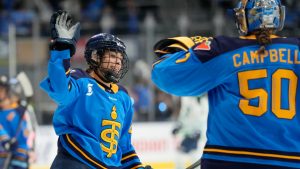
93, 122
254, 110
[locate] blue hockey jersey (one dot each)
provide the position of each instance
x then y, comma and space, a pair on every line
9, 121
254, 108
93, 122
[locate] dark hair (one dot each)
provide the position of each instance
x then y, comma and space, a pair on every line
263, 37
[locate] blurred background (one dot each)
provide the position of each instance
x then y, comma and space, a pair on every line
24, 37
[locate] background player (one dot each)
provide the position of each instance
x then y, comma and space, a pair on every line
13, 128
190, 129
94, 114
253, 88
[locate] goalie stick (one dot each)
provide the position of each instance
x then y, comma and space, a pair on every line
28, 93
194, 165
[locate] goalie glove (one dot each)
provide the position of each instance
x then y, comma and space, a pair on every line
176, 44
64, 33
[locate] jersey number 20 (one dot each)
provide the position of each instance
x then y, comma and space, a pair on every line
263, 95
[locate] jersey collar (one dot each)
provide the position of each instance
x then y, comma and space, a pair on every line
113, 88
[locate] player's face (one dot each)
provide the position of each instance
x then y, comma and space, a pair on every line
3, 97
112, 60
2, 93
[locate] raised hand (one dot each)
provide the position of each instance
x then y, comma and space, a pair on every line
64, 33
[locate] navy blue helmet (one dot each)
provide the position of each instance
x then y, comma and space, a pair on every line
100, 44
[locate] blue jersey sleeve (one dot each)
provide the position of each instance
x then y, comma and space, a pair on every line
59, 85
193, 72
129, 157
21, 152
3, 134
9, 128
190, 77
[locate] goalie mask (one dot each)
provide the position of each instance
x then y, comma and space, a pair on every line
252, 15
106, 55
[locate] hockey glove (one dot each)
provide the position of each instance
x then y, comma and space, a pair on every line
64, 33
148, 167
9, 145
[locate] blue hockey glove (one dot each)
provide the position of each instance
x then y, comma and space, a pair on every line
64, 33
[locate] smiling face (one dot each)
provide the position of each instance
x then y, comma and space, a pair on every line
112, 61
110, 65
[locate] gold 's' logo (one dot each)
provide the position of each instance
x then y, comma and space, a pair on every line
108, 135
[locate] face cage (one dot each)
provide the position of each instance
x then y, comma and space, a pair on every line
108, 74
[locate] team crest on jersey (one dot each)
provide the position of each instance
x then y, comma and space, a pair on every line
200, 39
109, 135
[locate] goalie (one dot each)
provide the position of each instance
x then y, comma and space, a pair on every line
253, 88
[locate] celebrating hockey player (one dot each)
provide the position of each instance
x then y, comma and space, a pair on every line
252, 84
94, 114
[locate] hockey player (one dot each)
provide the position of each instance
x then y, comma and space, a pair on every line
253, 88
13, 127
190, 128
94, 114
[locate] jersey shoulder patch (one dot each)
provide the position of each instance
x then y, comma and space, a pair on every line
203, 46
213, 47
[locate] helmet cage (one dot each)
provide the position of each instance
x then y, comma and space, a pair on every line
251, 15
108, 74
100, 44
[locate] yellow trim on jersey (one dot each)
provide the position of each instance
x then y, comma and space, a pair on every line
21, 150
237, 152
138, 166
114, 87
131, 155
130, 129
13, 106
3, 155
187, 56
68, 71
254, 37
82, 153
101, 87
